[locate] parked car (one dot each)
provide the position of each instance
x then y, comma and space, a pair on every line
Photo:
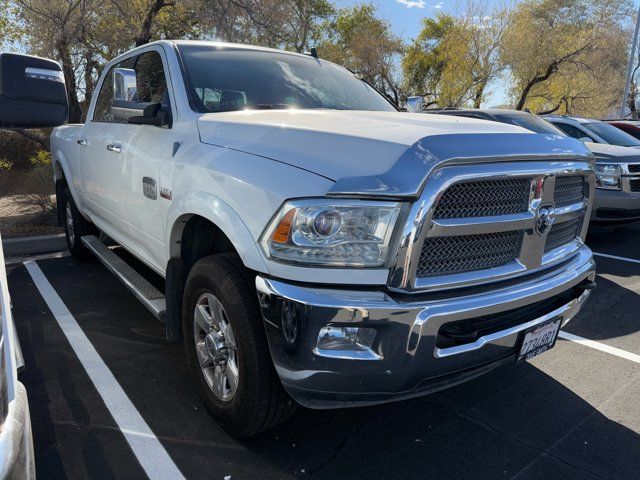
617, 196
16, 440
632, 127
317, 244
593, 131
32, 94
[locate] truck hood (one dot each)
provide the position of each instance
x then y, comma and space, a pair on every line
332, 143
614, 153
387, 152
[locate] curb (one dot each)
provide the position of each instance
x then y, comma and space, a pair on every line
34, 245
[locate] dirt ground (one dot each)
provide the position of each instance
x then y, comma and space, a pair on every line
19, 218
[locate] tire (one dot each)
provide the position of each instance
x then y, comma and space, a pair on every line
76, 227
258, 401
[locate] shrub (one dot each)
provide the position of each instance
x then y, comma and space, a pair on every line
5, 165
17, 149
38, 190
42, 158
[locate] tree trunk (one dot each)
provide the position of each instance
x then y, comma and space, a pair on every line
631, 101
477, 98
145, 31
75, 110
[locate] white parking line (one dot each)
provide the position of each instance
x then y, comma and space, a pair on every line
600, 346
615, 257
152, 456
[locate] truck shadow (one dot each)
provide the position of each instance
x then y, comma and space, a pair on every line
609, 313
516, 421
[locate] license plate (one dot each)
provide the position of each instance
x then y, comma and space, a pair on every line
539, 339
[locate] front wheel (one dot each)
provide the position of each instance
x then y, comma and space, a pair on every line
227, 348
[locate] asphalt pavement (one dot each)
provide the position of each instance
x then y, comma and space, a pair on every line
573, 412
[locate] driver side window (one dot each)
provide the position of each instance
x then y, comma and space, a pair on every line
102, 111
151, 86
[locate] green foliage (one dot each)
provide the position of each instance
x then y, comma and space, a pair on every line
42, 158
567, 55
364, 43
5, 165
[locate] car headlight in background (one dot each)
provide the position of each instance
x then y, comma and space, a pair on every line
608, 176
337, 233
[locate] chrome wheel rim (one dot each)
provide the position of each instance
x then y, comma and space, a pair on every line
69, 219
216, 347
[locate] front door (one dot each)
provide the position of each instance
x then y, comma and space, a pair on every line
144, 163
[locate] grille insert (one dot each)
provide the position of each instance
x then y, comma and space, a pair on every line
569, 190
484, 198
634, 168
562, 233
448, 255
634, 185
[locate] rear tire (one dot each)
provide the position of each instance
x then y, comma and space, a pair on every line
227, 348
76, 227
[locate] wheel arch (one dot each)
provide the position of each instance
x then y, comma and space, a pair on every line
201, 225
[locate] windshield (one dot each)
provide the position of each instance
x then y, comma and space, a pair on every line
611, 134
224, 79
530, 122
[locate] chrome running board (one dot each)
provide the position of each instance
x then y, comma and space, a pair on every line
152, 298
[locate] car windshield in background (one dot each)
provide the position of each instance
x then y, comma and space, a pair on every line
530, 122
227, 79
611, 134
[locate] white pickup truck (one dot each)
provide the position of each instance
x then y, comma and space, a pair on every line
317, 244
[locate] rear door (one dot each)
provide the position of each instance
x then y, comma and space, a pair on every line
98, 164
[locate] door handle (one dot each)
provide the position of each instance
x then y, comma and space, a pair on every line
114, 148
82, 141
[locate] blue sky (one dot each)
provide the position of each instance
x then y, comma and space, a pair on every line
405, 17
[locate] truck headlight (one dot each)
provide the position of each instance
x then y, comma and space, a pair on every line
337, 233
608, 176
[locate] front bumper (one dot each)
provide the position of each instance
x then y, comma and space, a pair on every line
411, 359
16, 442
615, 206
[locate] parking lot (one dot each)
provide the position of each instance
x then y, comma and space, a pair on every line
573, 412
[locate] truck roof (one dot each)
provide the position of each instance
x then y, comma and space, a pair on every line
210, 43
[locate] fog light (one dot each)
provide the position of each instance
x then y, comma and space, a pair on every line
347, 343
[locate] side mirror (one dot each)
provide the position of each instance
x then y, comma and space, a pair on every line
32, 92
414, 104
586, 139
124, 103
125, 85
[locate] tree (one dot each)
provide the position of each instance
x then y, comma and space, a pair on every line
83, 34
454, 59
290, 24
425, 60
555, 49
364, 43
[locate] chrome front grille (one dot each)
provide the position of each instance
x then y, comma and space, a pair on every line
634, 185
569, 190
562, 233
483, 222
448, 255
484, 198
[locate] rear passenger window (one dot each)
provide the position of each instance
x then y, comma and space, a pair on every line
572, 131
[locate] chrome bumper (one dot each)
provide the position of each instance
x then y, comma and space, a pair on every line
408, 362
16, 441
615, 206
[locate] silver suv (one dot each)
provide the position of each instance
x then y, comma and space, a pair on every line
617, 167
